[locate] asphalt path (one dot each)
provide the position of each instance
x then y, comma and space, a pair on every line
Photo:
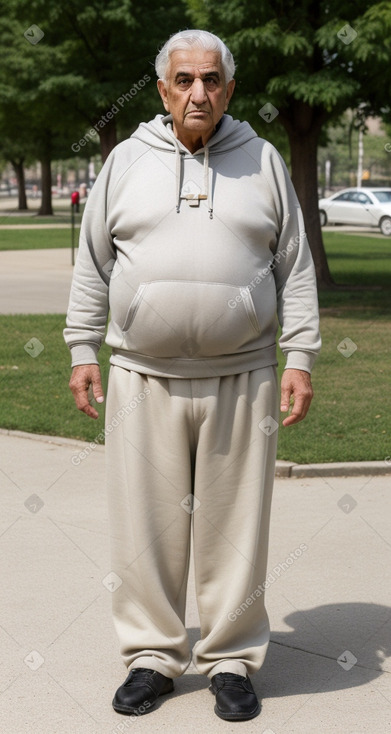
35, 281
328, 666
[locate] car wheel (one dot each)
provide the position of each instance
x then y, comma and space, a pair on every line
385, 226
323, 218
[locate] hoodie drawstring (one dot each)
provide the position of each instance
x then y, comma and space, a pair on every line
207, 186
207, 193
178, 167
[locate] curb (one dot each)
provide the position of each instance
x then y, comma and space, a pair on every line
334, 469
284, 469
56, 440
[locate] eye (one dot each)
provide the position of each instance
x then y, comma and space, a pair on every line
210, 82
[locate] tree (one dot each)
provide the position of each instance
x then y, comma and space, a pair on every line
104, 66
33, 123
77, 70
310, 61
11, 148
12, 152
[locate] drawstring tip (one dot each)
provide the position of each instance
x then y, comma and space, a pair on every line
177, 209
210, 213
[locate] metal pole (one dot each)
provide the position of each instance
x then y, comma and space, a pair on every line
327, 177
360, 156
73, 232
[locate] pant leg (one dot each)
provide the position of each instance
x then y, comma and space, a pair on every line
234, 474
149, 470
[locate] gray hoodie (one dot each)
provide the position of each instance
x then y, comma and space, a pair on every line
197, 257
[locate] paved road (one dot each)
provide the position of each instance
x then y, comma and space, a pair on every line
35, 281
328, 667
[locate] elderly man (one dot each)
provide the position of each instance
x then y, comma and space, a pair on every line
193, 238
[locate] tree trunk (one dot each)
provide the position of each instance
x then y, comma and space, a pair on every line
108, 138
46, 208
18, 167
303, 130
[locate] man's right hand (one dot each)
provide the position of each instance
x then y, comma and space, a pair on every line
82, 377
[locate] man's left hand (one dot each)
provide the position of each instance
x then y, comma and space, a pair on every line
296, 385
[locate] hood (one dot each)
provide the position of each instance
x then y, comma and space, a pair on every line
159, 134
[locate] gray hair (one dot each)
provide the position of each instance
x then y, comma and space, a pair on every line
183, 40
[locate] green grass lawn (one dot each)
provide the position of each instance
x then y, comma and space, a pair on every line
36, 239
349, 419
61, 216
19, 221
34, 390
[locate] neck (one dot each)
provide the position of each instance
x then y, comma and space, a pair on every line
193, 142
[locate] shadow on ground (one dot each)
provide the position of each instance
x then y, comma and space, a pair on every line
331, 647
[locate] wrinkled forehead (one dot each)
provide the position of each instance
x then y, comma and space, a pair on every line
196, 61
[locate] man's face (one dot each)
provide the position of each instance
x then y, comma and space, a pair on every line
195, 94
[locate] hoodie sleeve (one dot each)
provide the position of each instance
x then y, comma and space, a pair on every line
88, 303
294, 273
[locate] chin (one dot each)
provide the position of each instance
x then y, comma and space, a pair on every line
199, 124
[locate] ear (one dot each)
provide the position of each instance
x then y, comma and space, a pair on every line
229, 92
163, 93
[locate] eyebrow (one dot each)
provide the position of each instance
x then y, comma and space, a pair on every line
204, 75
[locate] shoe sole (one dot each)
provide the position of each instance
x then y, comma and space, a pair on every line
238, 716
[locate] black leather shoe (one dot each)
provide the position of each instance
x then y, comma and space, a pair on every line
140, 691
235, 697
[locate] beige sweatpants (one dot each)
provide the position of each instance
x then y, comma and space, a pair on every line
190, 455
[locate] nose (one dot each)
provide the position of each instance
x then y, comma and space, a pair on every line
198, 95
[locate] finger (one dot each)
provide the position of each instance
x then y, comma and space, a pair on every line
300, 409
285, 398
88, 410
82, 379
80, 395
97, 389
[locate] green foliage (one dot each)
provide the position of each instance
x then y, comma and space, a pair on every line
91, 53
321, 89
289, 52
102, 49
33, 122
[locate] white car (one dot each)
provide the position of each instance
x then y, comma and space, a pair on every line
360, 207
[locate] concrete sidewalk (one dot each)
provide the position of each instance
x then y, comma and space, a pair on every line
328, 666
35, 281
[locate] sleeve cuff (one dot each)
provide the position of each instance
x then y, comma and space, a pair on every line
300, 361
84, 354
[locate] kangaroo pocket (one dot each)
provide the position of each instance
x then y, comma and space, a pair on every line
176, 318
